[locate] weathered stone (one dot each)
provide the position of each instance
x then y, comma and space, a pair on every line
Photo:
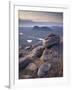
51, 40
37, 52
38, 62
24, 62
42, 61
25, 76
52, 54
43, 70
31, 67
47, 55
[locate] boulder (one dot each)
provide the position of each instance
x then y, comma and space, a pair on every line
43, 70
43, 59
50, 55
37, 52
25, 76
47, 55
38, 62
31, 67
37, 44
51, 40
21, 54
23, 63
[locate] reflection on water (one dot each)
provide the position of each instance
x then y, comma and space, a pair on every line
29, 41
20, 33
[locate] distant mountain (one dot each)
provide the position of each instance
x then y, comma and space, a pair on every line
30, 23
58, 29
42, 28
55, 29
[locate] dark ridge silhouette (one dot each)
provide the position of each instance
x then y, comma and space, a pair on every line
41, 28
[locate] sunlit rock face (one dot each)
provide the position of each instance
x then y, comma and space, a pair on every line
51, 40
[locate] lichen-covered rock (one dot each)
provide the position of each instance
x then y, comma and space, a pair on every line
25, 76
43, 70
44, 59
37, 52
52, 54
31, 67
47, 55
56, 69
51, 40
38, 62
24, 62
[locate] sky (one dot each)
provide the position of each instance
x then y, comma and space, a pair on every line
40, 17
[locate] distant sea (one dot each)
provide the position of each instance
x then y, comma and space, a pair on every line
32, 34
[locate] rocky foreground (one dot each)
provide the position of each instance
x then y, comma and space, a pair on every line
42, 60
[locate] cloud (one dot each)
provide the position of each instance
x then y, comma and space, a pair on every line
39, 16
